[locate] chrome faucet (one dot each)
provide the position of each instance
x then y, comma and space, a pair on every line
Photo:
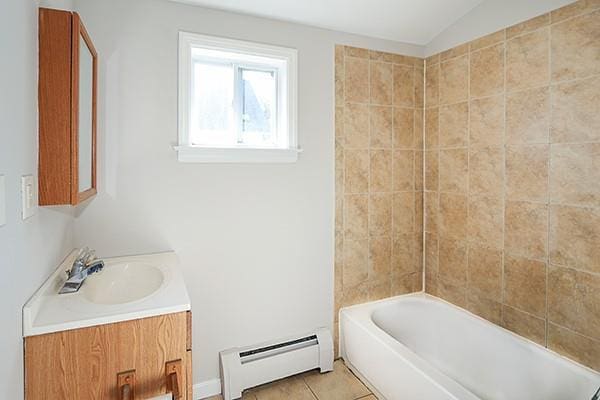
84, 265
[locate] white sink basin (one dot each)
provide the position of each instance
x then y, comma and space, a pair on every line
128, 288
122, 283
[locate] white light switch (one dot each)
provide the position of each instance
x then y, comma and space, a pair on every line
2, 200
28, 196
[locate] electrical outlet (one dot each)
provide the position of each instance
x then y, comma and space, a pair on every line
2, 200
28, 196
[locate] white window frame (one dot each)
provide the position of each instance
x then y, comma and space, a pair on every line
286, 99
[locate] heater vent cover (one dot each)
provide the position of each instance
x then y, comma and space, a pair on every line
243, 368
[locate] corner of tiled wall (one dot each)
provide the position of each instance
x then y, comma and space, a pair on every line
512, 179
378, 175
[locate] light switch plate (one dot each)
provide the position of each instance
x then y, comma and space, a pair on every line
28, 196
2, 200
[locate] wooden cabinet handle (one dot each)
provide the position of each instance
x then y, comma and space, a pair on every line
174, 371
126, 385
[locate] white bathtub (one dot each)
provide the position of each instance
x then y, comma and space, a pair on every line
418, 347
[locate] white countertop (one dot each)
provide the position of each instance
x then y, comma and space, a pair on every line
47, 311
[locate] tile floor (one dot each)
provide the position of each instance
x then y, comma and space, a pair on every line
340, 384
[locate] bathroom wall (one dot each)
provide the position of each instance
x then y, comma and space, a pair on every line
512, 182
29, 250
378, 175
255, 241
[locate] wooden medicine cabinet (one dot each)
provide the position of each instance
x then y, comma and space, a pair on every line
67, 93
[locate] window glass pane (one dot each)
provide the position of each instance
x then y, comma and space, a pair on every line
259, 108
212, 117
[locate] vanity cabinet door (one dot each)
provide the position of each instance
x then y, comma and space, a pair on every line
67, 95
83, 364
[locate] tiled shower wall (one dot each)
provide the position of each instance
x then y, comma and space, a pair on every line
379, 168
512, 179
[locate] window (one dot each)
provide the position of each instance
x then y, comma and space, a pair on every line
237, 101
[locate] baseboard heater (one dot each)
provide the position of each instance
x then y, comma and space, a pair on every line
247, 367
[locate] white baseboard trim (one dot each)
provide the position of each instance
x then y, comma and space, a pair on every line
206, 389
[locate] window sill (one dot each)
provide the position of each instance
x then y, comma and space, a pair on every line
195, 154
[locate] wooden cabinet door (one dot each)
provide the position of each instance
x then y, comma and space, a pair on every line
83, 364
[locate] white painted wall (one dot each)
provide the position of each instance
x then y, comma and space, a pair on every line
488, 17
255, 241
31, 249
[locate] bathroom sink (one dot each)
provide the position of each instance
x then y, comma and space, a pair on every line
122, 283
128, 288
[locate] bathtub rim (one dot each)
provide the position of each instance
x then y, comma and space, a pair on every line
369, 307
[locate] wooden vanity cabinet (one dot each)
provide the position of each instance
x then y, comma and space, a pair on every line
67, 97
85, 364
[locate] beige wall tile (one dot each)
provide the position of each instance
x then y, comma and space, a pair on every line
355, 294
419, 87
528, 26
579, 348
380, 214
419, 155
431, 212
574, 55
419, 131
487, 122
403, 284
404, 128
454, 125
431, 254
455, 52
526, 229
356, 126
380, 171
528, 116
419, 223
380, 258
356, 83
404, 176
487, 71
451, 292
356, 262
403, 260
339, 75
486, 171
404, 89
485, 308
381, 127
380, 289
432, 85
356, 216
525, 285
575, 174
381, 56
339, 122
453, 261
527, 60
526, 325
432, 126
454, 80
485, 272
575, 115
574, 300
576, 8
431, 170
485, 221
527, 173
575, 237
487, 40
356, 52
381, 83
357, 171
454, 170
403, 212
452, 216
